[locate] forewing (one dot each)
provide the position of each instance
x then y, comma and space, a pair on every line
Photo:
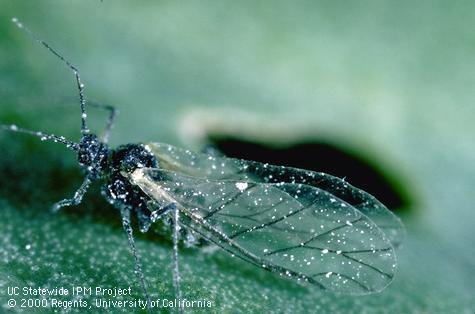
205, 166
296, 230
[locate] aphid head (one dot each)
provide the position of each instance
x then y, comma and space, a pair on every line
93, 156
92, 152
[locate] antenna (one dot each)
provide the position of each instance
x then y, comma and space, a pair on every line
41, 135
80, 85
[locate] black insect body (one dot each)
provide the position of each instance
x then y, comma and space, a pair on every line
119, 191
303, 225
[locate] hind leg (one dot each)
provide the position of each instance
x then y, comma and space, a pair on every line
176, 269
125, 213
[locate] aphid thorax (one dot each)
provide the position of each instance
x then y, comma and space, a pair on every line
118, 190
99, 162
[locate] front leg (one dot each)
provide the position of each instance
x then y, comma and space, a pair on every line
76, 199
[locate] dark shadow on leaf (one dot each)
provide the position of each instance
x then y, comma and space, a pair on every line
363, 173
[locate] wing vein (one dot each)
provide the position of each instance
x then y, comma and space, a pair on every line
369, 266
269, 266
312, 238
229, 201
344, 276
254, 228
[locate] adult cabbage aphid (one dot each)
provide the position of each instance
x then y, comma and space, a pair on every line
304, 225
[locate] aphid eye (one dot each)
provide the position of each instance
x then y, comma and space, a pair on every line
84, 159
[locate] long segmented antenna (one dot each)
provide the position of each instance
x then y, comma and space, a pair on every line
41, 135
82, 100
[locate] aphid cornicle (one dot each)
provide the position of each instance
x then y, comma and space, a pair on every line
304, 225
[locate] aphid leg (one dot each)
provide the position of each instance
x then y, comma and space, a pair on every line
143, 218
125, 213
76, 199
176, 269
158, 214
110, 120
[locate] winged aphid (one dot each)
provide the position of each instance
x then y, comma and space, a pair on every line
305, 225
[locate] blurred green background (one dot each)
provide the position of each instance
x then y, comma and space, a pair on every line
389, 81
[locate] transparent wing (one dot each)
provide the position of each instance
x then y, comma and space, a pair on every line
296, 230
205, 166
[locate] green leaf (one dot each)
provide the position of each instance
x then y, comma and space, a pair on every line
392, 81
